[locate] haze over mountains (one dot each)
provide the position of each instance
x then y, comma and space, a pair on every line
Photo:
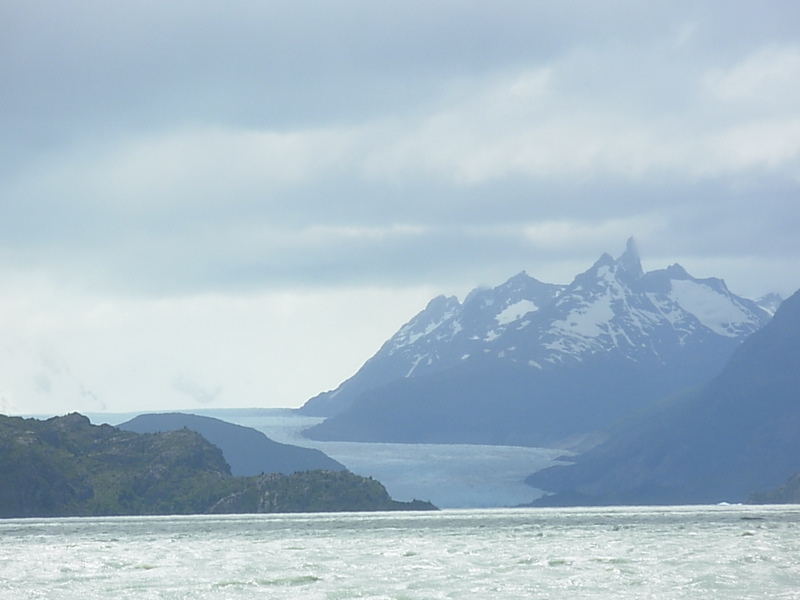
532, 363
671, 388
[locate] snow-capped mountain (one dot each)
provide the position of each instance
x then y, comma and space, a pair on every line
615, 310
614, 339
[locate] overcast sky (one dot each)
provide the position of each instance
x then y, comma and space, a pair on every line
233, 204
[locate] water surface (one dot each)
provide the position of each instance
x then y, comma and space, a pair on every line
666, 552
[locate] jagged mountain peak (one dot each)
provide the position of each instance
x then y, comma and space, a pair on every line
628, 264
629, 260
611, 312
441, 303
520, 279
517, 284
478, 294
519, 276
605, 260
675, 271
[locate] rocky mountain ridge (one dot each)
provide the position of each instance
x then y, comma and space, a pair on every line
558, 360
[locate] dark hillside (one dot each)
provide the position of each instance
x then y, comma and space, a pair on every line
65, 466
738, 435
247, 451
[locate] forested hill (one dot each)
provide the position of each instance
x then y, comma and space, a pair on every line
65, 466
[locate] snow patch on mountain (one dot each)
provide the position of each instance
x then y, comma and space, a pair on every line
673, 314
711, 308
413, 331
589, 320
515, 311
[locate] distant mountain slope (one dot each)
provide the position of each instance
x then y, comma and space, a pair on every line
739, 435
537, 364
788, 493
65, 466
247, 451
441, 336
770, 302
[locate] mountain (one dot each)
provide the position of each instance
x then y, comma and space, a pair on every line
771, 302
788, 493
246, 450
738, 435
532, 363
65, 466
443, 335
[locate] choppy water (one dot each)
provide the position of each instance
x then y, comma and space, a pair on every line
669, 553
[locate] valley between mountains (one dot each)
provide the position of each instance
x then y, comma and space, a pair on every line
666, 388
621, 387
538, 364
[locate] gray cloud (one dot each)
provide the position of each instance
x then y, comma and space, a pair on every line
173, 150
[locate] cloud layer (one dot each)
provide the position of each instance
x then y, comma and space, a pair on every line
156, 155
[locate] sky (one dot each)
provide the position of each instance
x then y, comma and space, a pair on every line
234, 204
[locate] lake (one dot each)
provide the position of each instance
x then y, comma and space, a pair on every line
622, 552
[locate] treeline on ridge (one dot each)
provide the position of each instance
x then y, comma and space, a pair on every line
65, 466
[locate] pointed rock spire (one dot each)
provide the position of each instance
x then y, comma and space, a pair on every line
629, 261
